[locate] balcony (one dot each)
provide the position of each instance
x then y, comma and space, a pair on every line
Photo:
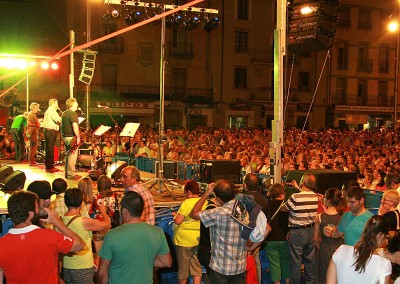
364, 65
353, 100
183, 50
147, 93
113, 45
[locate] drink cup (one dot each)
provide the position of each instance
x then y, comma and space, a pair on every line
329, 229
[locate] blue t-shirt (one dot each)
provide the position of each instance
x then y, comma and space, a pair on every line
353, 226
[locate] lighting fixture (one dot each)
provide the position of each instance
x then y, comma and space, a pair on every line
210, 23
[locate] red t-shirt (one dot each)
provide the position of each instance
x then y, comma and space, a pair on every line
30, 254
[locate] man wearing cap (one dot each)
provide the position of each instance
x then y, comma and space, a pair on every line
33, 132
51, 127
28, 253
42, 188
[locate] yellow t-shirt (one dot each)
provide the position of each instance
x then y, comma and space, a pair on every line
187, 234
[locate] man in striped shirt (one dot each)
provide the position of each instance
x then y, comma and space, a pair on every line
302, 207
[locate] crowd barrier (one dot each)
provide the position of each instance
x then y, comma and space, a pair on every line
184, 171
373, 200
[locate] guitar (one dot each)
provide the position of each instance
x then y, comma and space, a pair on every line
72, 146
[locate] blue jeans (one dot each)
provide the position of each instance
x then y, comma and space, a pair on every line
302, 249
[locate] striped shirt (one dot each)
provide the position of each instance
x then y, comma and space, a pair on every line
148, 215
303, 208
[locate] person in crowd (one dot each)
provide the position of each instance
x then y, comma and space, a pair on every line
228, 254
71, 136
143, 150
362, 263
130, 177
59, 186
388, 209
326, 246
28, 253
85, 184
32, 132
381, 186
79, 267
130, 252
251, 187
277, 247
344, 206
51, 125
18, 133
368, 182
392, 180
302, 207
108, 152
43, 190
393, 254
352, 223
186, 236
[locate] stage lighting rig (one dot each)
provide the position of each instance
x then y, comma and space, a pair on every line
210, 23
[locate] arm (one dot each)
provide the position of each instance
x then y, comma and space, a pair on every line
95, 225
178, 218
163, 260
103, 271
53, 219
387, 279
197, 207
253, 246
332, 233
75, 127
317, 235
331, 277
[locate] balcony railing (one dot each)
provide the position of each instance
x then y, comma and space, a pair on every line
353, 100
113, 45
148, 92
364, 65
181, 50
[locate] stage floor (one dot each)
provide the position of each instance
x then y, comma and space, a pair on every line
165, 198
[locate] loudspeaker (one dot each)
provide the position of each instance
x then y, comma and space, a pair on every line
5, 171
170, 169
311, 25
15, 181
213, 170
324, 178
85, 161
89, 59
116, 169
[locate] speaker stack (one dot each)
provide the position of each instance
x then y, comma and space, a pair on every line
213, 170
12, 180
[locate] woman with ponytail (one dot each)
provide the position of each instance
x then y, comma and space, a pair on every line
362, 263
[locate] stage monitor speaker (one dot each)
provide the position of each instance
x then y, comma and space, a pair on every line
15, 181
324, 178
116, 169
213, 170
170, 169
5, 171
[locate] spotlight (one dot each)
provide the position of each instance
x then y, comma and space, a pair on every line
174, 20
211, 23
115, 13
192, 23
133, 17
156, 22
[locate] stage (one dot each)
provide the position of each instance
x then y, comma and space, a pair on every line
32, 173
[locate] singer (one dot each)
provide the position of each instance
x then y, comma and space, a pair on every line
70, 132
51, 127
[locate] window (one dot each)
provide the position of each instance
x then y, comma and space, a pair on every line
341, 91
241, 41
109, 29
304, 81
364, 18
362, 92
343, 56
242, 9
240, 78
179, 80
344, 17
238, 122
364, 64
382, 93
384, 59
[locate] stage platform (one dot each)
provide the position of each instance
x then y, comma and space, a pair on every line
165, 198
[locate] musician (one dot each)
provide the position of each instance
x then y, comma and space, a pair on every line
51, 127
70, 135
33, 132
17, 132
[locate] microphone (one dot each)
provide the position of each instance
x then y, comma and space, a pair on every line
79, 108
100, 106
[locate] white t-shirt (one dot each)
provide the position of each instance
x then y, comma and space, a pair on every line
375, 272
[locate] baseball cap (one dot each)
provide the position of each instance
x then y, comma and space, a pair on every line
42, 188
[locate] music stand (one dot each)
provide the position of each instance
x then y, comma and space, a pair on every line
101, 130
129, 129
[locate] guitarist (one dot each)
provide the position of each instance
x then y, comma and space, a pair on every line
70, 134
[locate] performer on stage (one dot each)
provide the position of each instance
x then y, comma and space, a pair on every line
17, 132
33, 132
70, 132
51, 127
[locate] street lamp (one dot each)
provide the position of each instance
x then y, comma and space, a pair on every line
394, 27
